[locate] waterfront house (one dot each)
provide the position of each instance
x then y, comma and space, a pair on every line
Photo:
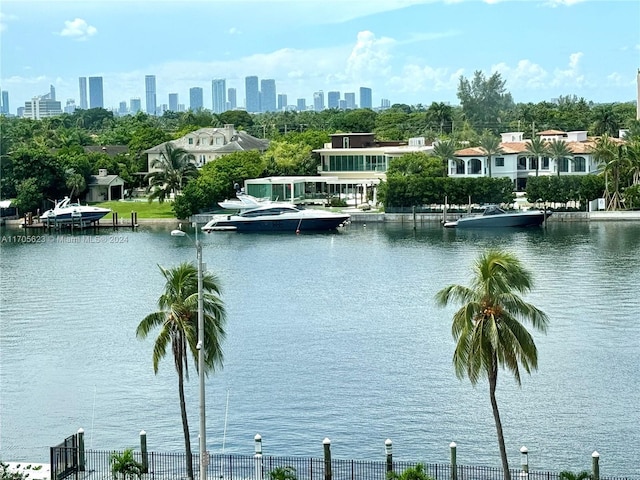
518, 166
207, 144
104, 187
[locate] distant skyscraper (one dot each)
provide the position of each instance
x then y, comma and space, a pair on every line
342, 104
83, 92
333, 99
219, 95
268, 95
135, 105
385, 103
5, 103
318, 101
150, 93
282, 102
96, 96
173, 102
70, 107
52, 92
122, 109
252, 94
365, 98
232, 102
195, 98
301, 105
350, 100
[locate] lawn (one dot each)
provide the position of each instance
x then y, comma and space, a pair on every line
143, 208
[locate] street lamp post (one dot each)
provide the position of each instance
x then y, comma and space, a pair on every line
202, 449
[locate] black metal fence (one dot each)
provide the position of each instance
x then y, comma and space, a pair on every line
64, 458
172, 466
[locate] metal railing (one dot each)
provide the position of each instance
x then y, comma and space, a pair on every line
172, 466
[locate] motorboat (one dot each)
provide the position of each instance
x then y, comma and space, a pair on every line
277, 217
243, 202
67, 212
495, 217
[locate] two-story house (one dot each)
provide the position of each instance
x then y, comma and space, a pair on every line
207, 144
518, 166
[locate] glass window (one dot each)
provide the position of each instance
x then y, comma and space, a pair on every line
499, 161
545, 163
579, 164
190, 141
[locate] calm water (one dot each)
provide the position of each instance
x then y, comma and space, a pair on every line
329, 335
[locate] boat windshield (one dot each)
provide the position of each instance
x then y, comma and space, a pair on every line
493, 210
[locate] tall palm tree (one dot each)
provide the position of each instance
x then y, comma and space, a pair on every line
609, 155
488, 327
490, 146
537, 147
177, 319
171, 172
559, 151
445, 150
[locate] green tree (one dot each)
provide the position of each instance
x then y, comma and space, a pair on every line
559, 151
605, 120
177, 320
488, 328
290, 158
484, 99
569, 475
171, 172
490, 146
445, 150
75, 182
440, 117
411, 473
283, 473
537, 148
125, 465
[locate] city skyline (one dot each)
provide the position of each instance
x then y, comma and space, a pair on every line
406, 51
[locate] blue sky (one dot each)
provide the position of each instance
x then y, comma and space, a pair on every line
407, 51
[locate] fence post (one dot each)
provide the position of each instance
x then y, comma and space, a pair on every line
327, 458
595, 465
81, 450
258, 457
525, 460
143, 449
454, 461
388, 450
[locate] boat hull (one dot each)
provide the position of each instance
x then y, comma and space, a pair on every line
84, 217
507, 220
245, 225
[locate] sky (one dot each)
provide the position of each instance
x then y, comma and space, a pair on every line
406, 51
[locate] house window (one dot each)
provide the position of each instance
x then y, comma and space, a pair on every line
545, 163
564, 164
522, 163
459, 167
345, 142
190, 141
475, 166
499, 161
533, 163
579, 164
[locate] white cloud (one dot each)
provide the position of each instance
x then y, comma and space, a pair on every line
369, 57
525, 74
78, 29
562, 3
570, 76
234, 31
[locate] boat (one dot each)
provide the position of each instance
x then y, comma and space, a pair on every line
243, 202
495, 217
276, 217
65, 211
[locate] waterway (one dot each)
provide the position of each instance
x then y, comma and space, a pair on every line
329, 335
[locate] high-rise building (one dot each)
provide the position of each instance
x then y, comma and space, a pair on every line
282, 102
52, 93
385, 103
252, 94
333, 99
150, 93
135, 105
195, 98
301, 105
173, 102
342, 104
232, 102
365, 97
82, 81
96, 96
5, 103
219, 95
42, 107
350, 100
318, 101
268, 95
122, 109
70, 107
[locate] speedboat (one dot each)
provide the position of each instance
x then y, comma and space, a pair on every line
277, 217
243, 202
495, 217
67, 212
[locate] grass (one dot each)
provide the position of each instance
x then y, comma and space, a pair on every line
143, 208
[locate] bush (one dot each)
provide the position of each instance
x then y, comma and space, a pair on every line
411, 473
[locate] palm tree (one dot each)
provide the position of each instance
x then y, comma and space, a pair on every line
445, 150
75, 182
569, 475
609, 155
490, 146
559, 151
536, 147
171, 172
487, 327
177, 319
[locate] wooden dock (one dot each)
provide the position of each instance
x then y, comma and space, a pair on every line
29, 223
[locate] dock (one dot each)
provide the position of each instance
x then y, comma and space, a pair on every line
31, 223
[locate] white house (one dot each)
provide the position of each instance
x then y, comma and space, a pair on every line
515, 164
104, 187
207, 144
